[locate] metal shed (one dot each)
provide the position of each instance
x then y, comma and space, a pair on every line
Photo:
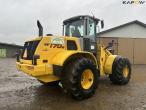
8, 50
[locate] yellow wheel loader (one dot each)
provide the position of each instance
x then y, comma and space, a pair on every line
76, 60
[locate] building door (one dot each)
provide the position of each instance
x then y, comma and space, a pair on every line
139, 51
126, 48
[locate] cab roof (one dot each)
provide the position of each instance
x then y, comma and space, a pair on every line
79, 17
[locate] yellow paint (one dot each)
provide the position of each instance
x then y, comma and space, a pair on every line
41, 72
61, 57
126, 71
32, 70
102, 58
58, 56
105, 60
25, 61
54, 56
87, 79
108, 64
48, 78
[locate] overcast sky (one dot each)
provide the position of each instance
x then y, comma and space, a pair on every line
18, 17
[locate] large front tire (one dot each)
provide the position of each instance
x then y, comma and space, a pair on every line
80, 78
121, 71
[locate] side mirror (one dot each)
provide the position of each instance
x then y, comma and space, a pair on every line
102, 24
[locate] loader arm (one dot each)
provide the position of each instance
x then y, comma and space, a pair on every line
105, 60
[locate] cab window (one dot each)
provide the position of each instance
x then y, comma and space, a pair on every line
91, 28
75, 29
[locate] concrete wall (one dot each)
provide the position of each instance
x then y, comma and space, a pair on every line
8, 50
129, 31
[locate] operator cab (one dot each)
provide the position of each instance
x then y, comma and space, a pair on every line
84, 28
80, 26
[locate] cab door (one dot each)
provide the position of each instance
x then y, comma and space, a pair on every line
89, 40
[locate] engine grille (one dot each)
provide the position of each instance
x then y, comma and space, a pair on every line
29, 49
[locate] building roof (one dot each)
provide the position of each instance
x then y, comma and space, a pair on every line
13, 45
123, 25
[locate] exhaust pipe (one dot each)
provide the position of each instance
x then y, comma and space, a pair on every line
40, 28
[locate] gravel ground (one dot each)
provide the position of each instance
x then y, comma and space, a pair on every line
19, 91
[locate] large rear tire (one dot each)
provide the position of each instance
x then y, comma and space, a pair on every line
80, 78
121, 71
